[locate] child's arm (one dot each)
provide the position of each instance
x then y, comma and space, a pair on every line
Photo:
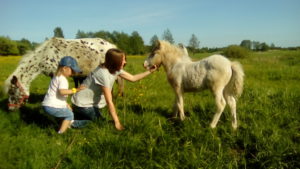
134, 78
71, 91
69, 107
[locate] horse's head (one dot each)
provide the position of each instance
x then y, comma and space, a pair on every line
155, 57
165, 53
16, 94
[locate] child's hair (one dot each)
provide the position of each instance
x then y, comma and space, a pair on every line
59, 70
113, 60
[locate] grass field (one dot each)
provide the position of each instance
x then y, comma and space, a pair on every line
268, 116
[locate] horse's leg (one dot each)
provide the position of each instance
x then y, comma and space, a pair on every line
175, 108
232, 104
76, 81
179, 102
220, 103
120, 82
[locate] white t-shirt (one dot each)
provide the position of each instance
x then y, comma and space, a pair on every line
53, 98
92, 95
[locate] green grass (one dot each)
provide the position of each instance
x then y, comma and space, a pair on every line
268, 115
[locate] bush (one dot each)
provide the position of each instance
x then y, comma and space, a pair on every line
8, 47
235, 51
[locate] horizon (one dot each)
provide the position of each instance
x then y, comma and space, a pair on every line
216, 24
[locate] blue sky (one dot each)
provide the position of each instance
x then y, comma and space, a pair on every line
216, 23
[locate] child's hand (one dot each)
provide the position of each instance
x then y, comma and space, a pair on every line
81, 87
119, 126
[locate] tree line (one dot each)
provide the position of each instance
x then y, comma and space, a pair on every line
130, 43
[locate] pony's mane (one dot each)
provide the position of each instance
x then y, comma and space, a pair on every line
29, 53
173, 50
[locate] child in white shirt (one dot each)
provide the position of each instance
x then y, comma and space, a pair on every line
55, 101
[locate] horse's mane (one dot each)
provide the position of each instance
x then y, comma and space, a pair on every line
27, 55
174, 51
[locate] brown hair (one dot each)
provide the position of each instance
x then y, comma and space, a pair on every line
59, 70
113, 60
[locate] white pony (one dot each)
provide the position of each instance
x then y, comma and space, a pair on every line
89, 53
223, 77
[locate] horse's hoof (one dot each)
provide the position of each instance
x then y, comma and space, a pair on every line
212, 126
234, 126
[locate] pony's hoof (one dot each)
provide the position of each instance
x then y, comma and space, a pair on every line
212, 126
182, 118
234, 126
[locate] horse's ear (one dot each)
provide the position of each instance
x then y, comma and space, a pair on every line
181, 45
157, 44
14, 80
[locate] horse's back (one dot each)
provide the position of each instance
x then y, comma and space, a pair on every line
89, 52
218, 60
218, 69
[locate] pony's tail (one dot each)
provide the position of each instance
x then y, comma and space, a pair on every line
236, 83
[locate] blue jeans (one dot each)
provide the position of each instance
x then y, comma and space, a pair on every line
87, 113
66, 114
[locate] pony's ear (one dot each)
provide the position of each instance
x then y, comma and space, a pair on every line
14, 80
181, 45
157, 44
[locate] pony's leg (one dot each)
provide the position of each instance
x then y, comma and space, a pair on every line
220, 103
232, 104
178, 106
120, 82
175, 109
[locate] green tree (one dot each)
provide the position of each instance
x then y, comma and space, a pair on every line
104, 35
81, 34
153, 40
264, 47
256, 45
246, 44
122, 40
58, 32
272, 46
24, 45
8, 46
194, 43
167, 36
136, 43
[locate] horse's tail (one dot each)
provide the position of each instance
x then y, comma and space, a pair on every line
236, 83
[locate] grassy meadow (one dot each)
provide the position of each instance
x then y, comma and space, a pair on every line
268, 135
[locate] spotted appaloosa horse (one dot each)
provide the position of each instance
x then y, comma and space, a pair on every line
89, 53
216, 73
